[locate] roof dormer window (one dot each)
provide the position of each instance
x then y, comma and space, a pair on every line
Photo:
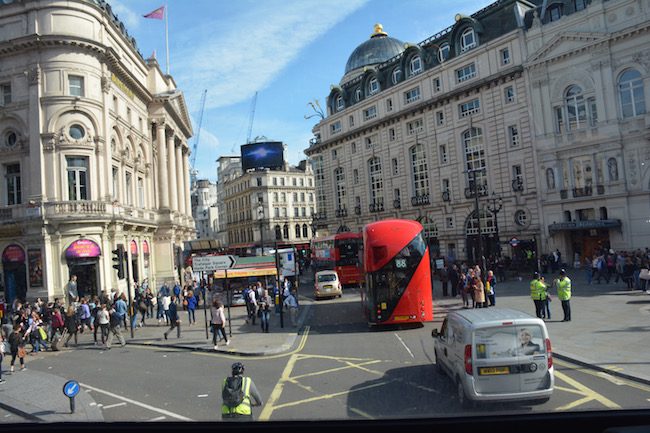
397, 75
555, 12
467, 40
415, 65
339, 103
443, 52
373, 86
357, 94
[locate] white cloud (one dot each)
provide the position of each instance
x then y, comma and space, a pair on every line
238, 55
130, 18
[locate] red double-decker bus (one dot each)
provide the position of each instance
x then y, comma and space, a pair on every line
398, 273
340, 253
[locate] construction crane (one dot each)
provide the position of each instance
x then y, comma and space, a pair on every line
194, 171
252, 117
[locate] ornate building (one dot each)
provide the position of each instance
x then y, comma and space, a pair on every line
589, 73
204, 209
93, 150
420, 131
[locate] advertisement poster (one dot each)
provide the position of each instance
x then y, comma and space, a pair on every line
35, 268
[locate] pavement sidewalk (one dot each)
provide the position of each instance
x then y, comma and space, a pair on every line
608, 328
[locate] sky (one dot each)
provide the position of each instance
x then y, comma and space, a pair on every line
288, 51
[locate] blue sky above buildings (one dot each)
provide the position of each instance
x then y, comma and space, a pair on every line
289, 51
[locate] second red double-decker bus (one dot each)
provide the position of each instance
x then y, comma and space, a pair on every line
398, 273
340, 253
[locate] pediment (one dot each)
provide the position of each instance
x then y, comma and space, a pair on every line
565, 43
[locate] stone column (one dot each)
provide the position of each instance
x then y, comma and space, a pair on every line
171, 174
163, 190
179, 179
186, 179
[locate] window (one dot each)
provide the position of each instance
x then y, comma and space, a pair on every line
513, 135
76, 131
285, 231
593, 112
353, 147
397, 196
11, 139
275, 181
391, 134
469, 108
351, 121
276, 212
415, 127
335, 127
437, 85
339, 103
357, 95
305, 232
580, 4
389, 104
296, 212
259, 181
115, 183
12, 176
517, 174
559, 120
76, 85
295, 197
284, 212
420, 171
128, 185
355, 176
275, 197
440, 118
443, 154
5, 94
466, 72
370, 142
370, 113
475, 157
576, 109
283, 197
140, 192
396, 76
467, 40
521, 218
446, 186
297, 230
294, 182
281, 181
373, 86
376, 181
415, 65
311, 197
504, 56
339, 179
443, 52
555, 12
630, 91
509, 94
77, 169
412, 95
395, 164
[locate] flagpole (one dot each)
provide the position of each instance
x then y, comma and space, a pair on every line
167, 35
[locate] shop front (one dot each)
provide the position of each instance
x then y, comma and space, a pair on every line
585, 238
15, 273
82, 257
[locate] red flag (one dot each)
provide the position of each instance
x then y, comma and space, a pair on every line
158, 14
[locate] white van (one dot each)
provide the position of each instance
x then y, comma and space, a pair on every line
495, 354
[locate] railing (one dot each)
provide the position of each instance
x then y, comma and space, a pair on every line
587, 191
6, 214
420, 200
341, 212
600, 189
397, 203
376, 206
446, 196
482, 191
357, 210
84, 207
563, 194
517, 184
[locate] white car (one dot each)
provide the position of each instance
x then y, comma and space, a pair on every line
327, 285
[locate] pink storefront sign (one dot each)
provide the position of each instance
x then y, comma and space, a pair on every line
82, 248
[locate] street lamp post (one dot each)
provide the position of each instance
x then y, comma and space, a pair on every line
494, 205
260, 214
480, 258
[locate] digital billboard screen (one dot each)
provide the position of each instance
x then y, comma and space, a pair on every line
267, 154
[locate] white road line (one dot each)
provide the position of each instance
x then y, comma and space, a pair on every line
137, 403
405, 346
111, 406
202, 395
160, 418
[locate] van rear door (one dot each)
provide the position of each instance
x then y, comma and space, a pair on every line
532, 357
496, 364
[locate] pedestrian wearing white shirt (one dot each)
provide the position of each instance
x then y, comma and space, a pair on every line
166, 300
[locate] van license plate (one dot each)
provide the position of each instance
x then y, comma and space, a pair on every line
486, 371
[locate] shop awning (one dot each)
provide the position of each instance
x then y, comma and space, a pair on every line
585, 225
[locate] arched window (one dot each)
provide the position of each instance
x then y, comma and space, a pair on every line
305, 232
278, 233
415, 65
373, 86
376, 181
339, 178
443, 52
612, 169
420, 171
475, 157
630, 90
467, 40
297, 231
357, 94
575, 108
396, 76
487, 223
339, 103
285, 231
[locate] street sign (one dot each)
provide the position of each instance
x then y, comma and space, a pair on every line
71, 388
514, 242
213, 263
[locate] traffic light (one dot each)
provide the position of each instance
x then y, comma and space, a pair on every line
118, 261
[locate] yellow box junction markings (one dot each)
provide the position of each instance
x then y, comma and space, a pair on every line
588, 393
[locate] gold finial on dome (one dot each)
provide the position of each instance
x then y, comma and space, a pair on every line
379, 31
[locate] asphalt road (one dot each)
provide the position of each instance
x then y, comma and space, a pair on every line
338, 369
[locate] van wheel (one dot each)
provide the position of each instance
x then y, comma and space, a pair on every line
465, 403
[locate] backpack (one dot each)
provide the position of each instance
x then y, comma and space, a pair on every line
114, 319
233, 392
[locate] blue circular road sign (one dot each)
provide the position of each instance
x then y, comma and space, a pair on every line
71, 388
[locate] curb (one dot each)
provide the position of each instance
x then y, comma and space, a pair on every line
15, 411
576, 360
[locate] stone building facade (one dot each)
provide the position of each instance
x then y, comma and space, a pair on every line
93, 149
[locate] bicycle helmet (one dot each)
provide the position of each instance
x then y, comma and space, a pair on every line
237, 368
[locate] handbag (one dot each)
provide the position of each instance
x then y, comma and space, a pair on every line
22, 352
42, 334
184, 302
